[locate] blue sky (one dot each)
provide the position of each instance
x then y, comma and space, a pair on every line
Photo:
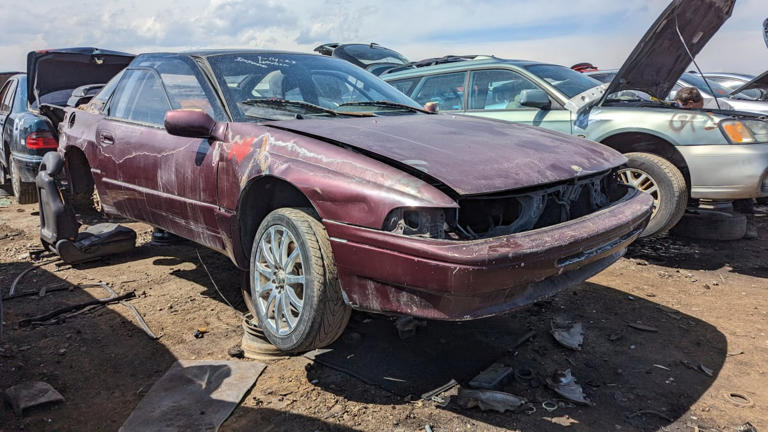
561, 31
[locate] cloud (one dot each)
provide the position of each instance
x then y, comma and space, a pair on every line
562, 31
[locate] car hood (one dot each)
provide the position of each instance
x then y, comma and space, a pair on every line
760, 82
660, 57
469, 155
68, 68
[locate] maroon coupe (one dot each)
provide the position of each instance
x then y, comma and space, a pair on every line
337, 192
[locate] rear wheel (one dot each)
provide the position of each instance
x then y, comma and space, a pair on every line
665, 183
25, 193
294, 291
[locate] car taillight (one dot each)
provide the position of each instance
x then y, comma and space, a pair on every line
41, 140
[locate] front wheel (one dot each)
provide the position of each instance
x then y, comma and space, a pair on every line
665, 183
294, 291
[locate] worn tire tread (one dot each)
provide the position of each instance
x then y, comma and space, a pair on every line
679, 190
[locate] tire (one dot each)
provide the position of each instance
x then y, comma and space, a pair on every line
25, 193
704, 224
670, 193
317, 316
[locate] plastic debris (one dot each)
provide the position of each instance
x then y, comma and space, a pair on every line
492, 377
406, 326
30, 394
200, 332
570, 335
490, 400
564, 384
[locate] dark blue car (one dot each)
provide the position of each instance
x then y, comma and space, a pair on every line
31, 103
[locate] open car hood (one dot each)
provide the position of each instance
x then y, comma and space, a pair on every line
49, 71
371, 57
660, 58
469, 155
760, 82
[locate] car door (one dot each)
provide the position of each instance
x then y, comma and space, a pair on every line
500, 93
166, 180
447, 90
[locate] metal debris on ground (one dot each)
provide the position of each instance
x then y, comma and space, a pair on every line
200, 332
427, 428
236, 352
570, 335
523, 374
136, 314
706, 370
50, 315
490, 400
434, 395
549, 405
643, 327
493, 377
747, 427
564, 384
31, 393
406, 326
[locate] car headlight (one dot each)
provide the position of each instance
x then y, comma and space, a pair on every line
745, 131
416, 221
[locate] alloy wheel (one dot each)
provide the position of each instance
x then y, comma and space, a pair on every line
643, 182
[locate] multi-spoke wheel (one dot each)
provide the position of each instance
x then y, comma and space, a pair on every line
665, 183
293, 289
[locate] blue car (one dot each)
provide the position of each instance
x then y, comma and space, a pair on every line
31, 103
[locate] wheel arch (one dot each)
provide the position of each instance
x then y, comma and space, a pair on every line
645, 142
78, 170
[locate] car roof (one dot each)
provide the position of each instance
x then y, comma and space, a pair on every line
216, 52
458, 64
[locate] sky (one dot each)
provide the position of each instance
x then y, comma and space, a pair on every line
602, 32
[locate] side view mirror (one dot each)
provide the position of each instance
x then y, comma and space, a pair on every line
535, 98
193, 124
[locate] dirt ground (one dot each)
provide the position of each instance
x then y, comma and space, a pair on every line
707, 300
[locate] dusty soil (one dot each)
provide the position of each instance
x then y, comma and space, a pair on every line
708, 302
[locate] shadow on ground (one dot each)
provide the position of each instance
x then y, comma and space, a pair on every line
622, 370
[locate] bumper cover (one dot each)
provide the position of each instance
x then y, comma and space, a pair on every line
459, 280
28, 166
727, 171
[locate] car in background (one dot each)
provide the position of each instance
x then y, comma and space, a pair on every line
335, 191
31, 103
743, 86
372, 57
673, 154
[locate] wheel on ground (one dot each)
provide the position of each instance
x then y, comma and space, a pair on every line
25, 193
705, 224
294, 291
665, 183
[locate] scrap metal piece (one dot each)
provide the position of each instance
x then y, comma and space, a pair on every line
570, 335
549, 405
492, 377
564, 384
643, 327
136, 314
434, 395
100, 302
490, 400
31, 393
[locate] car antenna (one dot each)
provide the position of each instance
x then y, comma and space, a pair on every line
701, 74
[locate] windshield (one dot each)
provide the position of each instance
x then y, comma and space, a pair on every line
368, 55
566, 80
303, 80
698, 82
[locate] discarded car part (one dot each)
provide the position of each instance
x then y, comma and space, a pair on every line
136, 314
524, 374
406, 326
44, 290
748, 427
163, 238
490, 400
564, 384
739, 399
59, 227
549, 405
705, 224
255, 345
569, 335
29, 394
643, 327
493, 377
53, 314
530, 408
434, 395
651, 412
707, 371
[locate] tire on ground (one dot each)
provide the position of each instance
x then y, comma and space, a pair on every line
324, 314
25, 193
705, 224
673, 190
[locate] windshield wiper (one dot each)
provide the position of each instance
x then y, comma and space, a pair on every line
385, 103
274, 102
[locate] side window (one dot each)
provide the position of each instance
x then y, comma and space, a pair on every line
498, 90
140, 97
98, 102
446, 90
6, 97
183, 86
405, 85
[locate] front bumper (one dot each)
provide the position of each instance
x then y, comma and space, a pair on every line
459, 280
28, 166
727, 172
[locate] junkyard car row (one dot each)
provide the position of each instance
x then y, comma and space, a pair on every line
336, 191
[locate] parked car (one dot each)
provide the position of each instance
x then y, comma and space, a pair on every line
673, 154
335, 191
742, 86
32, 102
372, 57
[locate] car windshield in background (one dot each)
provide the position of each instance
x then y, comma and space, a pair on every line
698, 82
566, 80
369, 55
304, 80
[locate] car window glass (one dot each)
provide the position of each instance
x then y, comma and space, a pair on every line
99, 101
447, 91
140, 97
405, 85
183, 86
333, 88
498, 90
5, 105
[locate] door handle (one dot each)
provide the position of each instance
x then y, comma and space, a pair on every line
106, 138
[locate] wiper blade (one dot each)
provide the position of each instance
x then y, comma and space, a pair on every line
387, 104
275, 102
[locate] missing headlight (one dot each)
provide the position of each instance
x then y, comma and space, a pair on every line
423, 222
